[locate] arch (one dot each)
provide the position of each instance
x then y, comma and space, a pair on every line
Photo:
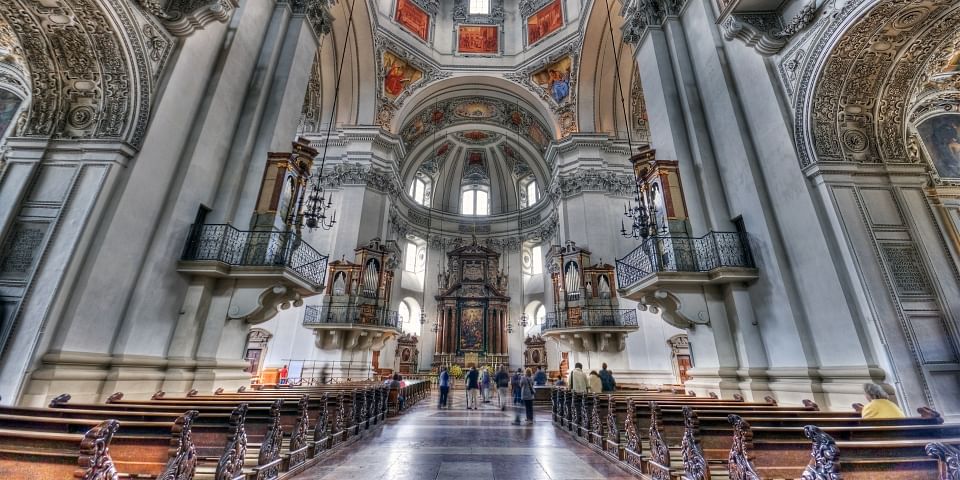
93, 65
853, 100
475, 85
599, 108
412, 324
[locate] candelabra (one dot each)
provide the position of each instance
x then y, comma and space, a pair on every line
643, 215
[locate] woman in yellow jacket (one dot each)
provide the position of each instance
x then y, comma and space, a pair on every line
878, 403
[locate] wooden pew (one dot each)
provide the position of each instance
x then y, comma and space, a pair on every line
32, 455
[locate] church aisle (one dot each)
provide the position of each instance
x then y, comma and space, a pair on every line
453, 444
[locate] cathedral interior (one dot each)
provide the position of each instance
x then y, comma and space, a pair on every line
719, 199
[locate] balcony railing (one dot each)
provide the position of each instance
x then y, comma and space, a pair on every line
351, 315
226, 244
589, 317
684, 254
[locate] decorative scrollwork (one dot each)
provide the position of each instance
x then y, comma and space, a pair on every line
270, 446
95, 452
596, 426
584, 412
613, 432
184, 462
694, 463
949, 458
231, 462
739, 465
823, 457
321, 428
340, 421
116, 397
659, 465
298, 437
633, 437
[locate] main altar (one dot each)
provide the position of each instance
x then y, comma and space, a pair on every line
472, 309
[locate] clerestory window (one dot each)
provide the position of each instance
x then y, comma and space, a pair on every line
474, 201
479, 7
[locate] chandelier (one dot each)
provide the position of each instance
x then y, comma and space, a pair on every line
318, 211
642, 215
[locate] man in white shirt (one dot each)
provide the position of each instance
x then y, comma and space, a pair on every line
578, 379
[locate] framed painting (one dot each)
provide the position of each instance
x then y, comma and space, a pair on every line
554, 79
398, 75
545, 21
941, 137
413, 18
482, 39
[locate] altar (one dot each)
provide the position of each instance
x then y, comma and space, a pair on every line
472, 308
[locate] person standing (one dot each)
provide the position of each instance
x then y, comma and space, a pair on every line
502, 380
515, 383
540, 378
283, 375
473, 388
594, 383
444, 387
606, 379
578, 380
527, 394
485, 383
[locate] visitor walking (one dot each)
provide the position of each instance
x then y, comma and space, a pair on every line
444, 387
473, 388
515, 383
527, 394
578, 379
502, 380
485, 384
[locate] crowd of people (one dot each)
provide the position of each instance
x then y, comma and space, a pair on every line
480, 384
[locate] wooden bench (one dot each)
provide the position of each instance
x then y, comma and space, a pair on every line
32, 455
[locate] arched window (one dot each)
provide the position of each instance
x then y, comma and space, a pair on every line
541, 315
529, 194
479, 7
409, 315
420, 189
414, 256
474, 200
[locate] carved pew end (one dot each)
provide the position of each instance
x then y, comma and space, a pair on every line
218, 391
60, 400
811, 404
714, 395
116, 397
770, 400
157, 396
927, 412
193, 393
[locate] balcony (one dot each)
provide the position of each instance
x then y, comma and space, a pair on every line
591, 329
340, 315
676, 262
225, 251
590, 318
351, 327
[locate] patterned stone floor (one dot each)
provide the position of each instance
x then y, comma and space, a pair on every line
458, 444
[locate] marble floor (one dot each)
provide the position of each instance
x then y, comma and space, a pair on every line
452, 444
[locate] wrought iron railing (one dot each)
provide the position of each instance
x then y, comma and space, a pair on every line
590, 317
351, 315
684, 254
229, 245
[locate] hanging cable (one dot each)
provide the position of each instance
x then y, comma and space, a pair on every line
319, 203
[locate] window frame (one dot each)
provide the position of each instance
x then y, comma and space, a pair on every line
471, 4
474, 192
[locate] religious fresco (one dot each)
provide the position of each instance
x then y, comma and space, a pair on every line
555, 79
473, 110
545, 21
941, 137
413, 18
471, 329
478, 39
398, 75
9, 105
